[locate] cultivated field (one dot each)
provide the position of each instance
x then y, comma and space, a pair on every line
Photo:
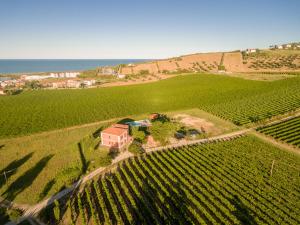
264, 61
287, 131
67, 161
241, 101
220, 183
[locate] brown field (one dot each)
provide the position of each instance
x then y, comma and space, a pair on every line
233, 61
266, 61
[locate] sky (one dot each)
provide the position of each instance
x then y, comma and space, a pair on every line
120, 29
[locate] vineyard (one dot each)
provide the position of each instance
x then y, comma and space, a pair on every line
217, 183
287, 131
241, 101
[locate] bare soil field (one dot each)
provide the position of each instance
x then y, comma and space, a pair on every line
233, 61
265, 61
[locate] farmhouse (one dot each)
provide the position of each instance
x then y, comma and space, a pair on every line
116, 136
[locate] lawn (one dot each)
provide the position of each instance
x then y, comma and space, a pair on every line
41, 164
241, 101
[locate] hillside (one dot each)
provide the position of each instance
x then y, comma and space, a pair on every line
241, 101
263, 61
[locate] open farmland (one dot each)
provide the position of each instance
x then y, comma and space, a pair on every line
241, 101
287, 131
217, 183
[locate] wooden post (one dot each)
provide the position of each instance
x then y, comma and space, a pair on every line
271, 172
5, 177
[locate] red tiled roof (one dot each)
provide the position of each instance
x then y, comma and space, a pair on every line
114, 131
123, 126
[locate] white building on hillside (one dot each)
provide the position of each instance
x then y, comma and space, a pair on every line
250, 50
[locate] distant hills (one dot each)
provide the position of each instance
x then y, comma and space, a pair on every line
279, 58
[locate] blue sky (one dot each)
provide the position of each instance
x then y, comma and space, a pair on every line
142, 29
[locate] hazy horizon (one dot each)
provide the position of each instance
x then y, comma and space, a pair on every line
142, 30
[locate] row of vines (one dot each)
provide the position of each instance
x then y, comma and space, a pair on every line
287, 131
217, 183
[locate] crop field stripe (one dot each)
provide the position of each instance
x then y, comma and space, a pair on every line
199, 191
281, 125
235, 180
146, 208
287, 131
130, 202
196, 209
233, 187
197, 184
246, 174
171, 208
283, 130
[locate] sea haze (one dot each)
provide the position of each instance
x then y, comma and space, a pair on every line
8, 66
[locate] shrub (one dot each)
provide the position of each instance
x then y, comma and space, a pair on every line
138, 134
56, 211
144, 72
136, 148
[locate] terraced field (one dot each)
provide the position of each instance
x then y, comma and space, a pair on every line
241, 101
217, 183
287, 131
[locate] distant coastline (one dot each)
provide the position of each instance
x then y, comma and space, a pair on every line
19, 66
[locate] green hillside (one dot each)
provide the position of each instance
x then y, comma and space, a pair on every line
241, 101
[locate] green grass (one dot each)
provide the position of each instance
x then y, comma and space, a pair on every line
219, 183
231, 98
42, 164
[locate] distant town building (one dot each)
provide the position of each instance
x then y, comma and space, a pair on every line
121, 76
287, 46
278, 46
108, 71
116, 136
250, 50
89, 82
61, 84
73, 84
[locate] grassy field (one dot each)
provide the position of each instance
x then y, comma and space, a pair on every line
219, 183
42, 164
241, 101
57, 151
287, 131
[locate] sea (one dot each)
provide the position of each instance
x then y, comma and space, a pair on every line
17, 66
